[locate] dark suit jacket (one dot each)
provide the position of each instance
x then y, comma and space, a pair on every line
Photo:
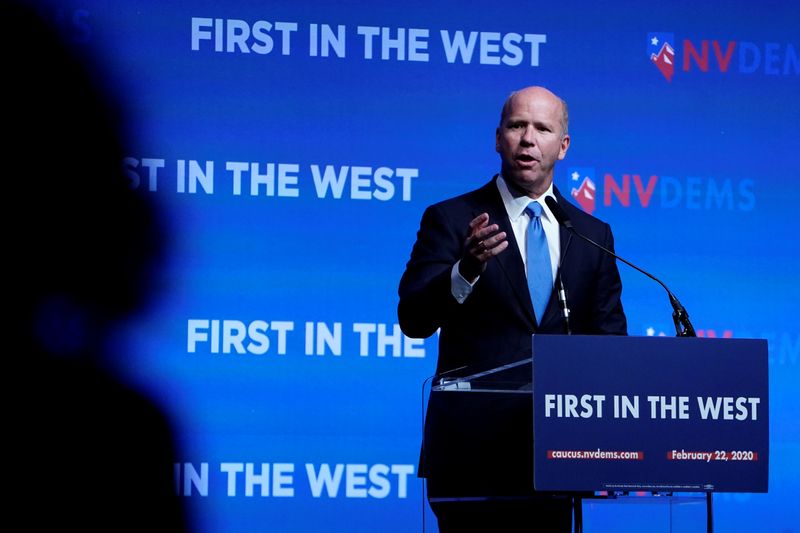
495, 323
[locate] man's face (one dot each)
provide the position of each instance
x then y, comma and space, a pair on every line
530, 140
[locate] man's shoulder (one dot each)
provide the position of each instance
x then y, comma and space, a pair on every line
576, 214
584, 222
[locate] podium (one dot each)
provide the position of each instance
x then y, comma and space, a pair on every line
593, 415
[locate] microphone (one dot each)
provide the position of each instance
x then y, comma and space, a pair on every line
680, 317
562, 300
561, 291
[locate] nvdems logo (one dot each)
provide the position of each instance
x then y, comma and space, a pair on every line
583, 188
662, 52
705, 55
592, 189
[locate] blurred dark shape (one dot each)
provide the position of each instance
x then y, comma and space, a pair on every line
87, 450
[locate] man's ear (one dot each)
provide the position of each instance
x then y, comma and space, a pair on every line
564, 147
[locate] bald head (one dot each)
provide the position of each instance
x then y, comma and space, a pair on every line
539, 92
531, 138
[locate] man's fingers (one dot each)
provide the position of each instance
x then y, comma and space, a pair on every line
490, 245
483, 242
486, 232
478, 221
486, 248
495, 250
480, 235
494, 240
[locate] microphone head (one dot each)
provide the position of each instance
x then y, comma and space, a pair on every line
558, 212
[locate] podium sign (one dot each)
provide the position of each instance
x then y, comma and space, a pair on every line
650, 414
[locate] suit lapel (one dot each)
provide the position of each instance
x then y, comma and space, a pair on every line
563, 233
553, 312
510, 261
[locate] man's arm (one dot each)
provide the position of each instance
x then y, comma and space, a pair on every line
608, 317
431, 285
425, 285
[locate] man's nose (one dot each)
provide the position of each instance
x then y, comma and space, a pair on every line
527, 136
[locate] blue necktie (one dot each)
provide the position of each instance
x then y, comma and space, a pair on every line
540, 274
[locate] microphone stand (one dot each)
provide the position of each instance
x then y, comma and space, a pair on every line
683, 326
681, 318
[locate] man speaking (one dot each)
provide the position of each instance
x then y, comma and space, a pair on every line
483, 270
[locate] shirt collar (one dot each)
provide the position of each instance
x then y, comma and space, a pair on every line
515, 207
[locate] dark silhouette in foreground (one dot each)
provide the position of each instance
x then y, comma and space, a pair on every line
86, 450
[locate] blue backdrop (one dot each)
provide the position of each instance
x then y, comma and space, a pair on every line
294, 145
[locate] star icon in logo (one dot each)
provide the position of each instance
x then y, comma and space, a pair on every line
576, 176
654, 41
